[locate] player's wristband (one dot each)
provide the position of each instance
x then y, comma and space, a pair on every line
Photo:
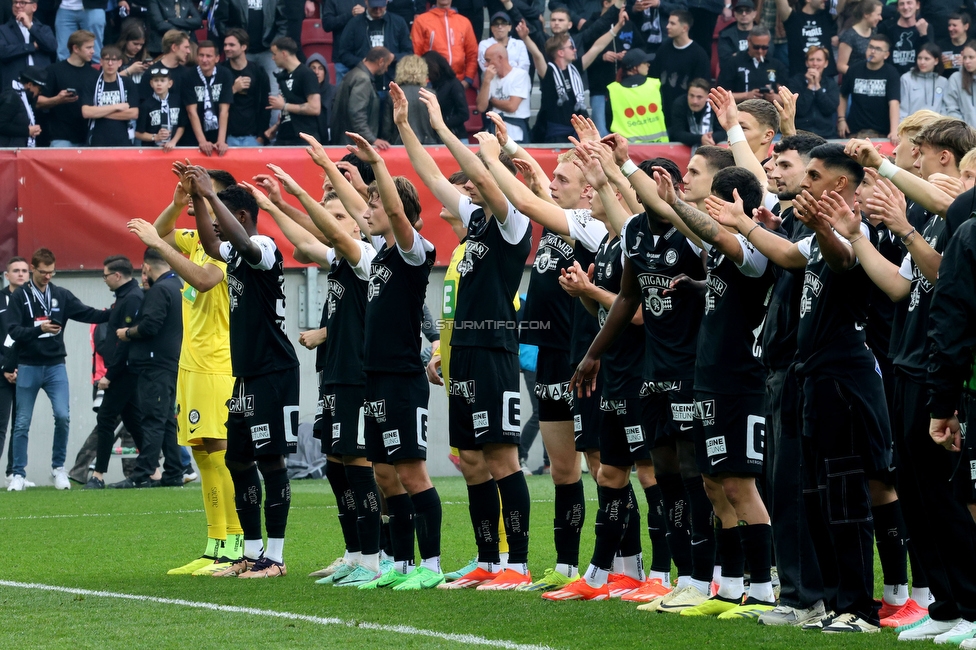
736, 135
888, 169
510, 147
629, 168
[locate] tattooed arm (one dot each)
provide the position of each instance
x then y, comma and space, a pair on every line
709, 230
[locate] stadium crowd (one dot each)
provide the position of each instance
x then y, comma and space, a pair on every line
778, 340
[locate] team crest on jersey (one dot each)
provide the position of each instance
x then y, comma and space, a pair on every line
811, 285
544, 261
463, 389
236, 288
375, 409
601, 316
379, 275
715, 286
336, 291
472, 250
671, 257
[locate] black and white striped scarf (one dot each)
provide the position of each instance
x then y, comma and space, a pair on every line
19, 87
575, 80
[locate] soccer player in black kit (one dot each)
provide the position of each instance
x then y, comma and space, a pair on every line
484, 393
262, 421
842, 403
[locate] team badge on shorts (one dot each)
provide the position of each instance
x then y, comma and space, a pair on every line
194, 416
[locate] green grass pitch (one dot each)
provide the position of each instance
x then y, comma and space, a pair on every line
123, 542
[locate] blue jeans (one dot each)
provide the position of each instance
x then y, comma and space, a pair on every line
242, 141
96, 25
598, 111
67, 22
64, 144
341, 71
54, 381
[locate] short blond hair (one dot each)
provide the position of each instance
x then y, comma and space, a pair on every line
567, 156
914, 123
968, 162
412, 70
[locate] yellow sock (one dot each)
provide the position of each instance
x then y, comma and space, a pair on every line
210, 480
231, 522
502, 537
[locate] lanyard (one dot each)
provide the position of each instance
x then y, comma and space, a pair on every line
43, 298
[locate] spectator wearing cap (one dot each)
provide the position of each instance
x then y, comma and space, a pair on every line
635, 101
506, 90
376, 27
18, 104
691, 120
65, 81
162, 118
753, 74
735, 38
445, 31
24, 42
501, 31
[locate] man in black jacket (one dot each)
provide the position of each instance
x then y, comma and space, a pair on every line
16, 274
119, 382
24, 41
39, 311
691, 120
263, 20
18, 106
377, 27
154, 357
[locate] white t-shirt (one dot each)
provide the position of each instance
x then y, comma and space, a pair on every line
265, 243
512, 229
366, 255
518, 55
585, 229
805, 244
753, 262
515, 84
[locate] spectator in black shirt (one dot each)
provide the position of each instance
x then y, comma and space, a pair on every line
818, 94
165, 15
317, 64
375, 28
176, 53
691, 121
679, 60
734, 38
450, 93
18, 122
264, 21
110, 104
65, 80
874, 87
300, 101
811, 25
753, 74
162, 117
24, 41
952, 45
16, 274
249, 116
907, 34
209, 95
336, 14
562, 89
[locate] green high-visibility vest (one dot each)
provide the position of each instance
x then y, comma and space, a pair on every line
638, 114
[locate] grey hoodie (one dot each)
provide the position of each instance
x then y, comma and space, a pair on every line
327, 91
959, 103
922, 90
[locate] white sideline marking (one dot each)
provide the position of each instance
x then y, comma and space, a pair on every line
467, 639
197, 510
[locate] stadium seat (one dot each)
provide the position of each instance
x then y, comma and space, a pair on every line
315, 39
331, 71
720, 24
475, 121
201, 33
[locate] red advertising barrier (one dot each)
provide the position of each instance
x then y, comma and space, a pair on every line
77, 201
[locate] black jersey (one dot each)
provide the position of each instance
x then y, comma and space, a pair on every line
258, 343
548, 309
494, 258
729, 343
623, 362
585, 325
395, 307
783, 315
833, 309
909, 335
345, 318
881, 309
671, 322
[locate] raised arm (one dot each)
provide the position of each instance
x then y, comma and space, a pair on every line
403, 230
890, 204
203, 278
202, 193
165, 223
915, 188
601, 43
778, 250
268, 183
723, 105
538, 58
351, 200
501, 132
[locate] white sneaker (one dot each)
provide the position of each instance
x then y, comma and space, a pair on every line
786, 615
16, 484
6, 480
29, 483
927, 630
848, 623
60, 478
968, 643
962, 631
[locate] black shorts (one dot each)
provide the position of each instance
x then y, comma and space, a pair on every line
552, 375
341, 406
484, 398
588, 418
395, 412
262, 416
730, 433
668, 408
623, 439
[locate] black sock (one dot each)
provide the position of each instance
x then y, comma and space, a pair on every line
702, 530
367, 502
346, 501
730, 553
515, 508
247, 496
890, 534
568, 523
630, 545
277, 502
756, 541
919, 581
611, 524
401, 527
485, 511
678, 521
657, 530
427, 521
